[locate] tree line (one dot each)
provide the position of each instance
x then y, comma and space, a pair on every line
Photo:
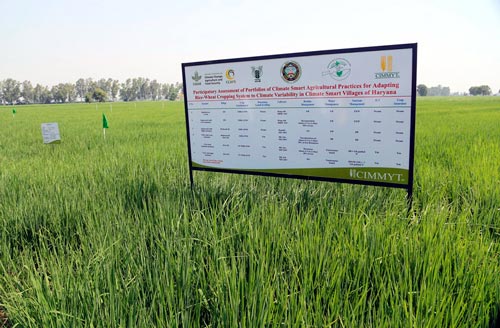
89, 90
439, 90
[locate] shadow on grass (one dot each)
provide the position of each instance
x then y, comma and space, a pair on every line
495, 320
4, 320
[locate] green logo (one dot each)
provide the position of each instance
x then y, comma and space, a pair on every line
196, 77
338, 69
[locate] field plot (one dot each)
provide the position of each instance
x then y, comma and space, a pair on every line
101, 232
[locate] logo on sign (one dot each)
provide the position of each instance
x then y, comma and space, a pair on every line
230, 76
196, 78
257, 73
377, 176
291, 71
386, 67
338, 69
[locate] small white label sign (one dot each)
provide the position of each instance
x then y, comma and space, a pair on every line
50, 133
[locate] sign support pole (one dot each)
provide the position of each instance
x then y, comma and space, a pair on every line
191, 177
409, 200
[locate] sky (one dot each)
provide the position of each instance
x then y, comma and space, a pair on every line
59, 41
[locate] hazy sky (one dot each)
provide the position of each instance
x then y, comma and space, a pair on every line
54, 41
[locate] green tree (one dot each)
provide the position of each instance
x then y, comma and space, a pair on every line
143, 89
64, 92
57, 93
89, 97
474, 91
126, 91
155, 88
422, 90
172, 92
41, 94
164, 91
485, 90
115, 88
482, 90
438, 91
1, 93
99, 95
105, 85
27, 92
11, 90
81, 88
69, 90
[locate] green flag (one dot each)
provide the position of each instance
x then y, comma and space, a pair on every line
13, 110
104, 122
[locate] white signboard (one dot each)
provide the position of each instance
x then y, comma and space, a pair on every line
341, 115
50, 133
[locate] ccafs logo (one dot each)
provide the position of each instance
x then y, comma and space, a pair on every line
230, 76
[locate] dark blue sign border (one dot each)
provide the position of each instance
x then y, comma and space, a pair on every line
408, 187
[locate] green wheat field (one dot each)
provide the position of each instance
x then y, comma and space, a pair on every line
101, 232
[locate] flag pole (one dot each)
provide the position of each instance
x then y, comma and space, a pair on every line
104, 125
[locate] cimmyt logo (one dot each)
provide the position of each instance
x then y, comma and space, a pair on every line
386, 67
338, 69
377, 176
291, 71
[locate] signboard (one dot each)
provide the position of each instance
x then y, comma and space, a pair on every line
339, 115
50, 133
